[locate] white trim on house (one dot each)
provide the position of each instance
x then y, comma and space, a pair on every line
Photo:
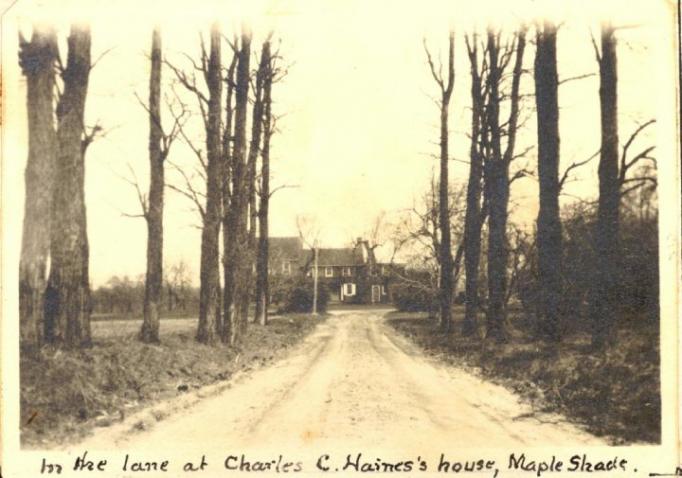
348, 289
375, 293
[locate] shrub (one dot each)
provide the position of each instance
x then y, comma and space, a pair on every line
415, 293
299, 297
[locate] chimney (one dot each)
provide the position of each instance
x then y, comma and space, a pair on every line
364, 248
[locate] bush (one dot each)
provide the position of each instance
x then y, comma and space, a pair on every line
298, 298
417, 294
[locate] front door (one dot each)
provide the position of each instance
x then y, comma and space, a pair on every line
376, 294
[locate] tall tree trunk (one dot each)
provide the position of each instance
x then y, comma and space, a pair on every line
235, 286
549, 224
67, 298
604, 298
154, 210
497, 183
37, 60
473, 219
209, 290
445, 253
227, 218
254, 152
262, 255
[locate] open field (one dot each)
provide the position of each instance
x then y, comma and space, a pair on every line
65, 393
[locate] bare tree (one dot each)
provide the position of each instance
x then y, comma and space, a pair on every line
549, 242
207, 202
37, 59
262, 255
228, 163
237, 220
604, 296
309, 232
67, 297
496, 171
473, 219
445, 254
209, 289
152, 205
251, 177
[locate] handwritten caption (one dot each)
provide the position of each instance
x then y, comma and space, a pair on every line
87, 463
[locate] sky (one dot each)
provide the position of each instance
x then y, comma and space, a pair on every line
358, 129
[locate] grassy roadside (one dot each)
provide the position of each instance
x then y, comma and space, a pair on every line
65, 394
614, 394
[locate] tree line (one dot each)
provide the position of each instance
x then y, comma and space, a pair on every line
234, 165
475, 216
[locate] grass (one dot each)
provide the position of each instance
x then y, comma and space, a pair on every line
614, 393
64, 394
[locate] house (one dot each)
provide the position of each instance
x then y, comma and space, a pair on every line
286, 256
352, 274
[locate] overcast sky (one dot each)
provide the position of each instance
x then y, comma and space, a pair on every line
359, 127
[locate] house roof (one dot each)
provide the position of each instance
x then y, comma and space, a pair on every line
289, 248
339, 257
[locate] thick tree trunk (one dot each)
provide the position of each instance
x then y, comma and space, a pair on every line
237, 240
263, 253
254, 152
154, 211
228, 267
549, 224
37, 59
604, 298
445, 253
497, 184
209, 290
498, 177
473, 219
67, 301
497, 190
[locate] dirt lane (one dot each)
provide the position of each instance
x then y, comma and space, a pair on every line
354, 382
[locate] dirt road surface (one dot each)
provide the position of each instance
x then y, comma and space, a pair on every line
354, 382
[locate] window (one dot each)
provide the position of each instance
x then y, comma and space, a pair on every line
383, 290
329, 272
349, 289
347, 271
286, 267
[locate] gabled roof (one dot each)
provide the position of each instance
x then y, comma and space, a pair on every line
290, 248
346, 256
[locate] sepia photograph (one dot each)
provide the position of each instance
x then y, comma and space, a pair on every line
339, 236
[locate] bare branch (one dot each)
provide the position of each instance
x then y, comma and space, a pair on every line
575, 165
189, 83
141, 197
596, 48
283, 186
101, 55
436, 76
189, 192
575, 78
